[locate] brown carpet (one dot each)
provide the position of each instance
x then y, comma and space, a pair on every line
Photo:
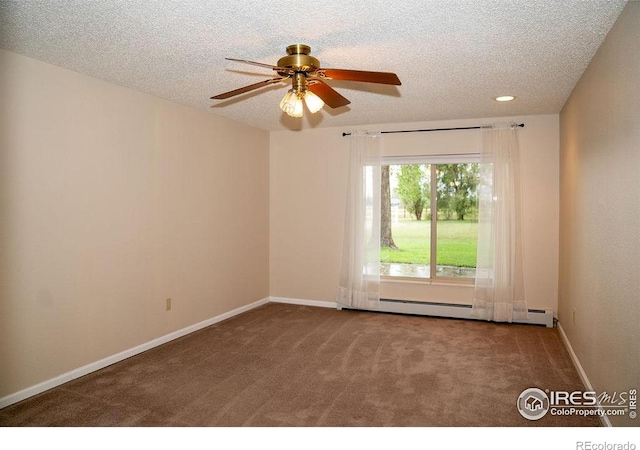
286, 365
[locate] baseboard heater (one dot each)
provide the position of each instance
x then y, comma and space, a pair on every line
536, 316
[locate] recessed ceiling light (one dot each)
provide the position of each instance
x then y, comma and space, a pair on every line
504, 98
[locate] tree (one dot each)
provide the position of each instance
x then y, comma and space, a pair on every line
457, 188
413, 189
386, 239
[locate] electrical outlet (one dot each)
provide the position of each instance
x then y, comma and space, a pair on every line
168, 304
574, 316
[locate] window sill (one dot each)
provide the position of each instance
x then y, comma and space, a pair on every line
440, 281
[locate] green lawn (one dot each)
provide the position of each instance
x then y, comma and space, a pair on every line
457, 244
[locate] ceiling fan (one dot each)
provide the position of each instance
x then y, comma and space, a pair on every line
308, 81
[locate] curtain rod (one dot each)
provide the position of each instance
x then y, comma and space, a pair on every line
432, 129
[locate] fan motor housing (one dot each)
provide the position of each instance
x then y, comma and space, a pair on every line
298, 59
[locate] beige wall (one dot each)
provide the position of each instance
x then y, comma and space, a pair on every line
600, 213
112, 201
308, 185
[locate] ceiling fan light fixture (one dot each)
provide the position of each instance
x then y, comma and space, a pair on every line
304, 71
314, 103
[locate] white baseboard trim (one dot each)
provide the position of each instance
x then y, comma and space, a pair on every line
304, 302
101, 364
583, 375
536, 317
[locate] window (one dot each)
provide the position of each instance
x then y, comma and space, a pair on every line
429, 229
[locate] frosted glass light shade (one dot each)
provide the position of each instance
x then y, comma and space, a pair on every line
297, 108
284, 101
287, 102
314, 103
291, 104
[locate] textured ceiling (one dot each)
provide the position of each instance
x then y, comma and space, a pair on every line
451, 56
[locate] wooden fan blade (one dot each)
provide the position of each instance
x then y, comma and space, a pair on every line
328, 95
244, 89
253, 63
360, 75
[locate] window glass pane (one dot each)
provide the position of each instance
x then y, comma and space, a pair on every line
405, 220
457, 224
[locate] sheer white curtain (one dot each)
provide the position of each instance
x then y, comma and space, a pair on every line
360, 275
499, 287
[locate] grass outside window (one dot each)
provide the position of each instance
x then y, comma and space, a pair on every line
457, 244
